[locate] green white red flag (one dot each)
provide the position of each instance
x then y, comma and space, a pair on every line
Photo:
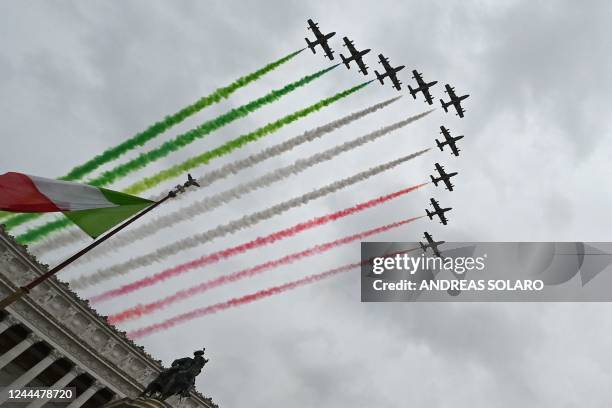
95, 210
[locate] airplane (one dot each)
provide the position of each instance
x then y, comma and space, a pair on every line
423, 87
450, 141
390, 72
321, 39
439, 211
431, 244
443, 177
356, 56
454, 100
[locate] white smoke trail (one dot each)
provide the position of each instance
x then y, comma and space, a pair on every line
75, 235
215, 201
233, 226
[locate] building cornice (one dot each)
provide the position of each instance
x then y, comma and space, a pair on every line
68, 323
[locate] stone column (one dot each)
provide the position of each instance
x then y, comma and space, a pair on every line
29, 375
85, 396
8, 321
18, 349
59, 384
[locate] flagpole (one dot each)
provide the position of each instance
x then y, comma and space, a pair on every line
24, 290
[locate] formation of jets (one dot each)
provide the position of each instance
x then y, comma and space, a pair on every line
389, 74
444, 177
390, 71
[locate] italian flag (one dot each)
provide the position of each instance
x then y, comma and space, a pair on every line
95, 210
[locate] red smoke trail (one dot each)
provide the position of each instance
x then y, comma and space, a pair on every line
140, 310
256, 243
252, 297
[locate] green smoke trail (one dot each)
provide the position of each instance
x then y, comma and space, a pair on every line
226, 148
20, 219
204, 129
37, 233
153, 131
184, 139
171, 120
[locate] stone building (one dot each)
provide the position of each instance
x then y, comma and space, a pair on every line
52, 338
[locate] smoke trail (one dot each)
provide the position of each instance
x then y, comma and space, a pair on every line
141, 310
204, 129
236, 143
171, 120
235, 302
236, 225
259, 242
37, 233
235, 193
242, 300
184, 139
156, 129
226, 170
233, 168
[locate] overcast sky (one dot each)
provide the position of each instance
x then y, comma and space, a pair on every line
79, 77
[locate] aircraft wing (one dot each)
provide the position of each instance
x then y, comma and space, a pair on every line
453, 147
440, 169
417, 77
349, 44
362, 66
443, 218
314, 27
460, 110
328, 52
451, 92
427, 95
385, 63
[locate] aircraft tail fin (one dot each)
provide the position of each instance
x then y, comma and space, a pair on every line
311, 45
435, 181
429, 214
379, 77
412, 91
345, 61
444, 105
423, 247
440, 145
